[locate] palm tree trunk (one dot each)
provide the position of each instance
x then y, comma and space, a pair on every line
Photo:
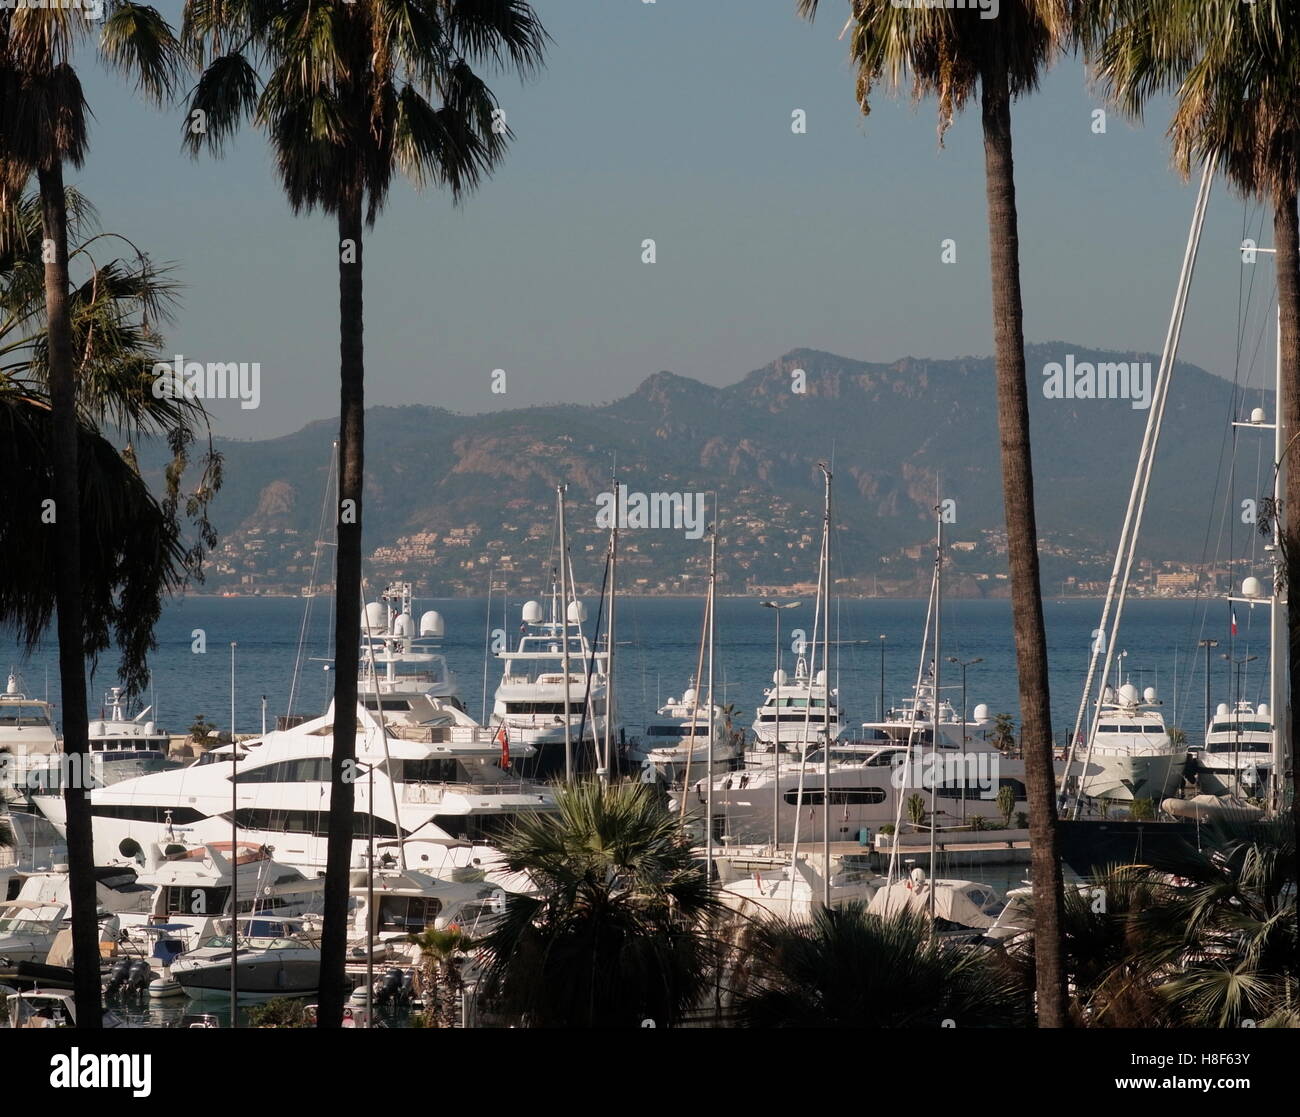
1286, 239
72, 663
1022, 542
347, 636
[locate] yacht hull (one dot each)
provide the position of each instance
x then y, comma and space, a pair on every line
1125, 778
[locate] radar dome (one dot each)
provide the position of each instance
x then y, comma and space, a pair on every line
402, 624
1257, 415
150, 728
689, 696
431, 623
374, 618
981, 712
532, 612
1262, 710
1251, 588
1128, 694
1221, 710
577, 612
821, 678
1149, 696
780, 678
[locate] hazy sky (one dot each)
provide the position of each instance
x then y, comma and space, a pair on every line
672, 121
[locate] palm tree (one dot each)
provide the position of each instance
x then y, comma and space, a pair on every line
953, 53
848, 968
42, 128
614, 933
1234, 71
349, 92
442, 954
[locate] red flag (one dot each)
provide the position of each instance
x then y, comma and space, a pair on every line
504, 739
1234, 622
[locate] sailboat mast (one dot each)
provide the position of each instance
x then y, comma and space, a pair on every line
564, 637
934, 711
824, 585
609, 637
708, 783
1279, 706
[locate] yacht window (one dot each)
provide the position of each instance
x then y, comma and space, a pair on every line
312, 769
429, 770
1246, 727
1244, 746
701, 730
542, 707
815, 797
184, 899
387, 704
474, 827
315, 823
408, 913
22, 716
181, 816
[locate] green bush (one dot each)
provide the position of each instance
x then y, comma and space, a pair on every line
977, 822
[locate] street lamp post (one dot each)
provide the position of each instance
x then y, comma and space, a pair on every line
880, 713
1207, 645
963, 664
776, 737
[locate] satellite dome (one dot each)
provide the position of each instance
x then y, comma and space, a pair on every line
981, 712
918, 876
1262, 710
780, 678
402, 624
97, 729
1221, 710
821, 678
1251, 588
532, 613
689, 696
150, 728
374, 618
431, 623
1149, 696
1257, 415
577, 612
1128, 694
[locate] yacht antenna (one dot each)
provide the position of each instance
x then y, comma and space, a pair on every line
609, 635
934, 705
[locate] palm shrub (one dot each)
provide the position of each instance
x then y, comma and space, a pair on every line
617, 929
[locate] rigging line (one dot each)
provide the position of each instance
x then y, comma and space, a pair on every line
591, 670
311, 585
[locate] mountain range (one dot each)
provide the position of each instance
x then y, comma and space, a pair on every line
898, 436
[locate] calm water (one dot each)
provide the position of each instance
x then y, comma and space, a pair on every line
658, 643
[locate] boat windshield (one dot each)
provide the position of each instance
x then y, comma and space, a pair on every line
22, 717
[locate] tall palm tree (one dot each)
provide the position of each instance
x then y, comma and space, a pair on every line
350, 92
42, 128
1234, 71
954, 54
615, 932
848, 968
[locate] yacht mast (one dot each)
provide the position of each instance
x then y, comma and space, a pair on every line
1278, 697
708, 783
934, 704
609, 636
564, 638
824, 578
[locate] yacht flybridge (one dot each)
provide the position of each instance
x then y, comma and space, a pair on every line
27, 740
429, 780
792, 707
915, 718
537, 704
397, 659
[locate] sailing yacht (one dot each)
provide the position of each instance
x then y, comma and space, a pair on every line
529, 704
785, 711
27, 741
1133, 756
679, 735
440, 791
1238, 755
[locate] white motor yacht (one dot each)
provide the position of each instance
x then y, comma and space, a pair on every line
530, 704
1133, 756
798, 709
1237, 758
679, 734
27, 741
272, 958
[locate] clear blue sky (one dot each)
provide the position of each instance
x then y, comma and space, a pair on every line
672, 121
